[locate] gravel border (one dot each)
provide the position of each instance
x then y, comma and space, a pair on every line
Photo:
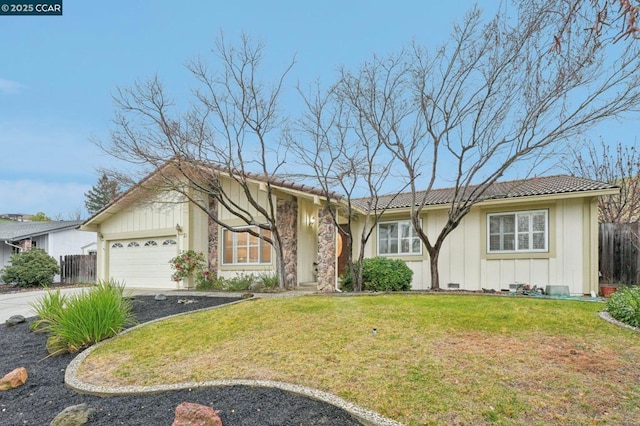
364, 416
607, 317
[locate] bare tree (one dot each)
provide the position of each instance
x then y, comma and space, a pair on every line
344, 157
616, 164
231, 131
494, 98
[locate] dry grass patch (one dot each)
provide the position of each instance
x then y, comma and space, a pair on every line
434, 360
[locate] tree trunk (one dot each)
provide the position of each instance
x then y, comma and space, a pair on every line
280, 270
434, 253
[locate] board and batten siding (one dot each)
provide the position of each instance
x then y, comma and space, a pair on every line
464, 259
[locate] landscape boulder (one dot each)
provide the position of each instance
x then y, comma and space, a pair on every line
189, 413
160, 296
14, 379
74, 415
14, 320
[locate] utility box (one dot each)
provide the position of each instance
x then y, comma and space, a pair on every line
556, 290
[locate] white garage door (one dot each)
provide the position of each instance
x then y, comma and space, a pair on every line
143, 262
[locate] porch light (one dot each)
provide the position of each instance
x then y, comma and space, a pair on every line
312, 220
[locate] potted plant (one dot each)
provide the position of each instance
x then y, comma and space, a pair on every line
607, 289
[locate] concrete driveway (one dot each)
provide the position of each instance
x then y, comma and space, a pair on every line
20, 303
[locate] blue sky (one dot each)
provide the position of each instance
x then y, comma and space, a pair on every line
57, 73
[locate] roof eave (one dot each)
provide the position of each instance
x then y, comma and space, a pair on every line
517, 200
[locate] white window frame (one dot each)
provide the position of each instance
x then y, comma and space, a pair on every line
517, 231
413, 235
234, 241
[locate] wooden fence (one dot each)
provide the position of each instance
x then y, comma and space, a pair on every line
78, 268
619, 253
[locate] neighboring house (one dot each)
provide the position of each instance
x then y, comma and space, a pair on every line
57, 238
18, 217
540, 231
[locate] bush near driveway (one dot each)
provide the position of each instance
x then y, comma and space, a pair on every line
31, 268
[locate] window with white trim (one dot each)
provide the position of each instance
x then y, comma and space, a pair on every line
518, 232
398, 238
244, 248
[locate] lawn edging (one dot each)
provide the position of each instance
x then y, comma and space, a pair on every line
607, 317
366, 417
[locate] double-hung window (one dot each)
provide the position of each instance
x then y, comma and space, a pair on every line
242, 248
398, 238
518, 232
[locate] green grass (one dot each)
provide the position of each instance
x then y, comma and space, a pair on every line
436, 359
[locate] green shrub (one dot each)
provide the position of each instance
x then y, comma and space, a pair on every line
187, 264
48, 309
31, 268
92, 316
269, 281
381, 274
210, 284
241, 282
624, 305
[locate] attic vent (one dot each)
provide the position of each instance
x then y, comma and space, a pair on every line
453, 285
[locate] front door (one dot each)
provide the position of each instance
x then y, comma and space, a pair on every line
343, 249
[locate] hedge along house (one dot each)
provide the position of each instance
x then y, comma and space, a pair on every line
140, 231
540, 231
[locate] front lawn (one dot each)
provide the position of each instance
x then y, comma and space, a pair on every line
435, 359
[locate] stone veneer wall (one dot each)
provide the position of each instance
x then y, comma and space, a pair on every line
213, 238
326, 252
287, 224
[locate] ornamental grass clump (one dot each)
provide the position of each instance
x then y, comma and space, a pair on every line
48, 309
624, 305
92, 316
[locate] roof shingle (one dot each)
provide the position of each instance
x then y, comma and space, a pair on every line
559, 184
14, 231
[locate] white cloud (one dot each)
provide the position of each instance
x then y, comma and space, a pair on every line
32, 196
10, 87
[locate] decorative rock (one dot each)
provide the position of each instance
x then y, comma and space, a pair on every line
192, 414
14, 379
75, 415
14, 320
160, 296
187, 301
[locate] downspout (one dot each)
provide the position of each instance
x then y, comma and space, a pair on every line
14, 246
